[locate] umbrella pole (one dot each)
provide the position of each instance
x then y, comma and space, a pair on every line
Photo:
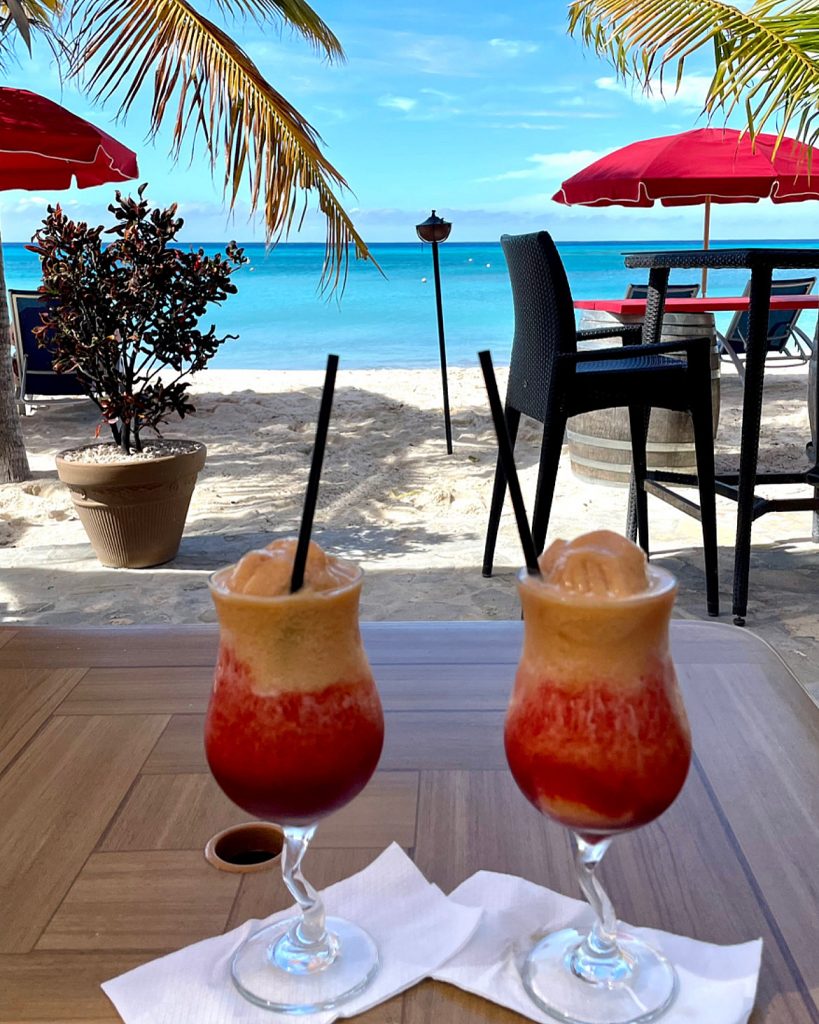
706, 235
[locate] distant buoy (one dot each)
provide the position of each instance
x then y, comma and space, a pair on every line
469, 260
251, 269
489, 264
423, 280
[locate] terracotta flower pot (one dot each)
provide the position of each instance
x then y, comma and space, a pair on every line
133, 512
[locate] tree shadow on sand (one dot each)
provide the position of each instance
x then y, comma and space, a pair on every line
383, 458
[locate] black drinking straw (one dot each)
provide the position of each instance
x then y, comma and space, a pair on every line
508, 462
311, 495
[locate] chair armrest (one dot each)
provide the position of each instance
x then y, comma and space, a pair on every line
627, 330
803, 337
687, 345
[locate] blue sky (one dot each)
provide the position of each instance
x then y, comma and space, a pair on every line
478, 111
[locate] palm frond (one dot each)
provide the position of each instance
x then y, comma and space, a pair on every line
26, 17
767, 58
216, 94
293, 14
19, 15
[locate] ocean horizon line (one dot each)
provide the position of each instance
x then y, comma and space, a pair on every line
279, 319
449, 244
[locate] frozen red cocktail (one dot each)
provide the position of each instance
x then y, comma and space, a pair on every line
596, 734
295, 727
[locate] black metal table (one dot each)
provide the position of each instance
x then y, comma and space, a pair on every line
738, 486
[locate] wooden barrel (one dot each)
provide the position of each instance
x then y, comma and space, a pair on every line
600, 442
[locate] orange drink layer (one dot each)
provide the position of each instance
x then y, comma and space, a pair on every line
295, 726
596, 733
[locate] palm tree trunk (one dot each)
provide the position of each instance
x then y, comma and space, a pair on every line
13, 459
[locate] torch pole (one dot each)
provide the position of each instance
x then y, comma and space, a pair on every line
442, 346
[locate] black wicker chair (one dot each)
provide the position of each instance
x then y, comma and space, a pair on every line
549, 380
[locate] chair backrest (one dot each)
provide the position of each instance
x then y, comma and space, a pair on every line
780, 321
674, 291
544, 319
41, 379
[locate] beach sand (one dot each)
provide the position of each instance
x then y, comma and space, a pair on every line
390, 498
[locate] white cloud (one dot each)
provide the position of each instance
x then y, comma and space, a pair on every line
544, 90
434, 105
437, 55
450, 55
513, 47
30, 202
690, 95
525, 126
537, 203
439, 94
398, 103
551, 166
336, 113
566, 115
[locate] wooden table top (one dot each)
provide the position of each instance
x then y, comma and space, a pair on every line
106, 804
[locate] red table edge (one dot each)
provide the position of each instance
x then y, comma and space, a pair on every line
704, 304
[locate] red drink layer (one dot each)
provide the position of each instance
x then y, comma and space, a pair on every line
598, 758
291, 756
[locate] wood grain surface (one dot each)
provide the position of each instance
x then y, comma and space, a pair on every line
106, 803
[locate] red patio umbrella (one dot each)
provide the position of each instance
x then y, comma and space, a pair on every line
43, 147
705, 165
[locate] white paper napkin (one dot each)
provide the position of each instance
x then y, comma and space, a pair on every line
717, 983
415, 927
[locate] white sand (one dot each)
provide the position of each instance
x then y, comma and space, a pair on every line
390, 498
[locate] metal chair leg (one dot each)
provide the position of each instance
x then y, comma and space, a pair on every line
638, 417
758, 314
553, 430
704, 446
498, 494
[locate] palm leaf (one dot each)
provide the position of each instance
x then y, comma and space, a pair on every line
25, 16
767, 58
19, 16
218, 96
295, 14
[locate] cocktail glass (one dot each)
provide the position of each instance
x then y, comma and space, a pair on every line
597, 739
294, 731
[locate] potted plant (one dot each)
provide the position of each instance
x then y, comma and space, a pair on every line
124, 317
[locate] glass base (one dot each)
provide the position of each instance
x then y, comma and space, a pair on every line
272, 971
637, 987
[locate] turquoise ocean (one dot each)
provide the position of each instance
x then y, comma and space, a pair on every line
389, 320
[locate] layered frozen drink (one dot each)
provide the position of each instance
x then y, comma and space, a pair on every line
295, 727
596, 733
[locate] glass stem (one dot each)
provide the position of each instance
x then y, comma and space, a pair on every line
598, 958
309, 929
